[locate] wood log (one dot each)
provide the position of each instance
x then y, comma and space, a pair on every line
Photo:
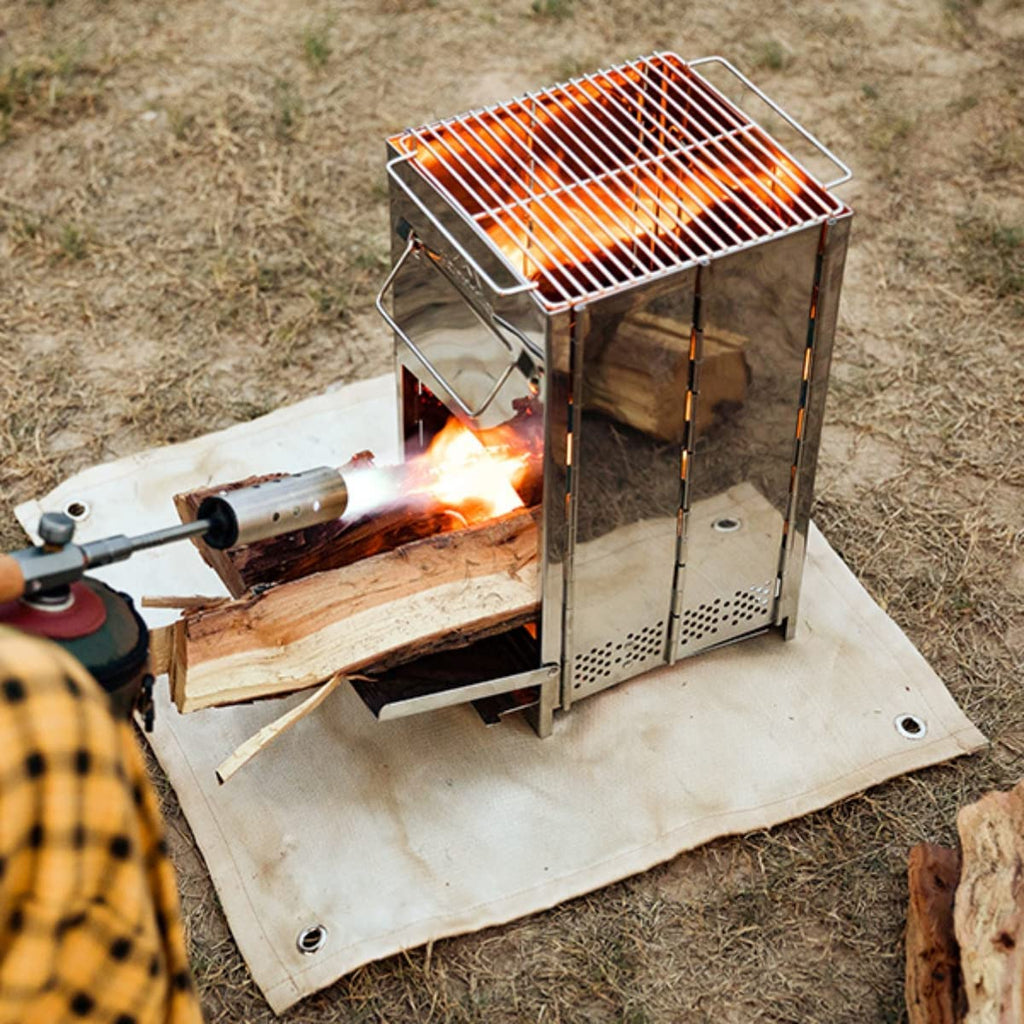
441, 592
288, 556
934, 993
641, 376
160, 641
187, 505
989, 912
291, 556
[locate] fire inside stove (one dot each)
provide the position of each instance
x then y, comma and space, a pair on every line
614, 301
615, 177
471, 479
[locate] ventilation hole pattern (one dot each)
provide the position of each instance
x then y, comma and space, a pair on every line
615, 656
707, 620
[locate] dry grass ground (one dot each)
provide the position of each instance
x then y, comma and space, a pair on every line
192, 224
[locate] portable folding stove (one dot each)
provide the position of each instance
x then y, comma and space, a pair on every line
633, 259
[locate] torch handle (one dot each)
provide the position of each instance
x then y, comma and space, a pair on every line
12, 579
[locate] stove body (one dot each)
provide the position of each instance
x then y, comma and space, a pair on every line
633, 264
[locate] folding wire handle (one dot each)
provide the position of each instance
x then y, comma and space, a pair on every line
499, 292
846, 175
411, 246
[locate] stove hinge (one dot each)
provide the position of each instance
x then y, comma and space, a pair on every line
686, 464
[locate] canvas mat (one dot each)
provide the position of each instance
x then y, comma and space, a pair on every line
392, 834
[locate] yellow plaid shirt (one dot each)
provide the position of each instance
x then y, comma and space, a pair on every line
90, 927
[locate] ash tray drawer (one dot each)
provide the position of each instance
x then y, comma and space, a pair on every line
497, 675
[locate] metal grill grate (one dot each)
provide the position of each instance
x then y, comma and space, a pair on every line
616, 177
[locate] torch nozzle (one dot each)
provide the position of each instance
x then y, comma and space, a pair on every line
273, 507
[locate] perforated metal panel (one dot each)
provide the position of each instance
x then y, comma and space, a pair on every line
640, 648
724, 618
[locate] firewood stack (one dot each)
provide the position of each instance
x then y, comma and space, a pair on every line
965, 923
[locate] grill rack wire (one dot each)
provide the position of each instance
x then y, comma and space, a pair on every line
616, 177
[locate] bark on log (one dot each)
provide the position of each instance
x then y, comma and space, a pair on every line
326, 546
934, 993
441, 592
187, 505
989, 911
291, 556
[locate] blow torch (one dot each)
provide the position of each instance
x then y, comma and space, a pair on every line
44, 589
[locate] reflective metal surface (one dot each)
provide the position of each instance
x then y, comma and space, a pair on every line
837, 236
555, 526
612, 180
478, 351
632, 364
756, 306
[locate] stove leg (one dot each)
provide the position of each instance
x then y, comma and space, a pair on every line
542, 715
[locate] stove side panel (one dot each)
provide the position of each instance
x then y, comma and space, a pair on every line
748, 388
820, 343
630, 376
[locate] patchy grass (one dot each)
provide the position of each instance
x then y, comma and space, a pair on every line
56, 88
887, 132
555, 10
287, 108
316, 48
1004, 153
770, 55
991, 256
229, 261
182, 123
961, 19
72, 242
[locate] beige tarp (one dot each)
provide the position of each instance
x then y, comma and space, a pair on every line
391, 834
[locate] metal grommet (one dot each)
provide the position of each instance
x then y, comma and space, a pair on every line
312, 939
911, 727
77, 510
727, 524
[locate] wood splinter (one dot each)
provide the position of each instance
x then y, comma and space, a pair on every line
262, 739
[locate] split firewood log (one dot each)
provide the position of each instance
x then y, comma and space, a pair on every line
406, 518
934, 993
434, 594
291, 556
989, 907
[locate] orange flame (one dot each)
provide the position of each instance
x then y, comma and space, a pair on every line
475, 481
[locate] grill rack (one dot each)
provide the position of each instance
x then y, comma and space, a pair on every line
618, 177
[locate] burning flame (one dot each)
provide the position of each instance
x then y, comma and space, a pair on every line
599, 181
473, 480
